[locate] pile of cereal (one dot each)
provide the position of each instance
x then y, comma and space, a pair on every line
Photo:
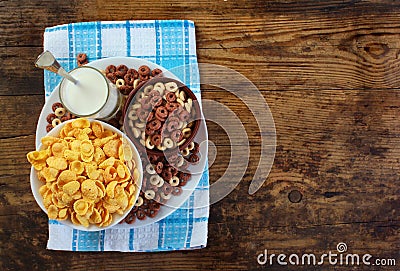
59, 115
163, 177
127, 79
88, 174
162, 115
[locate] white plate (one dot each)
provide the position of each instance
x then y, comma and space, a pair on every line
196, 170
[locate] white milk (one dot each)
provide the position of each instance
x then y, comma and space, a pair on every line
92, 96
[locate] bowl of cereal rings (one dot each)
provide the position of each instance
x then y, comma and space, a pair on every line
86, 174
161, 115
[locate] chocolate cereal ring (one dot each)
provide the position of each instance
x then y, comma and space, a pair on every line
182, 182
112, 77
156, 140
170, 97
130, 218
196, 148
82, 63
140, 214
194, 158
153, 159
82, 57
111, 69
154, 124
184, 176
173, 170
51, 117
129, 79
121, 70
67, 116
49, 127
56, 105
166, 175
133, 72
159, 167
172, 106
144, 71
144, 77
156, 72
151, 213
125, 89
149, 131
154, 205
161, 112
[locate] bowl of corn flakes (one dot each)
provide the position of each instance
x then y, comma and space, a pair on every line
86, 174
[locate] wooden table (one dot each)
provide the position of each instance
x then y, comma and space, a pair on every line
329, 71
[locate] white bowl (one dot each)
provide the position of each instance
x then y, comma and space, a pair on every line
36, 183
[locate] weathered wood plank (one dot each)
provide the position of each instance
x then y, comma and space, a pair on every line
357, 59
234, 244
19, 16
18, 73
329, 72
287, 52
19, 115
358, 64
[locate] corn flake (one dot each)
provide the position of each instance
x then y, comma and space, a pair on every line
77, 167
49, 174
80, 123
57, 162
71, 187
71, 155
111, 148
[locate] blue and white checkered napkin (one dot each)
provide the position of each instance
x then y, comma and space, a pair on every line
169, 43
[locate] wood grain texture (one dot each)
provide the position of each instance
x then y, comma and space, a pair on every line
332, 46
329, 71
